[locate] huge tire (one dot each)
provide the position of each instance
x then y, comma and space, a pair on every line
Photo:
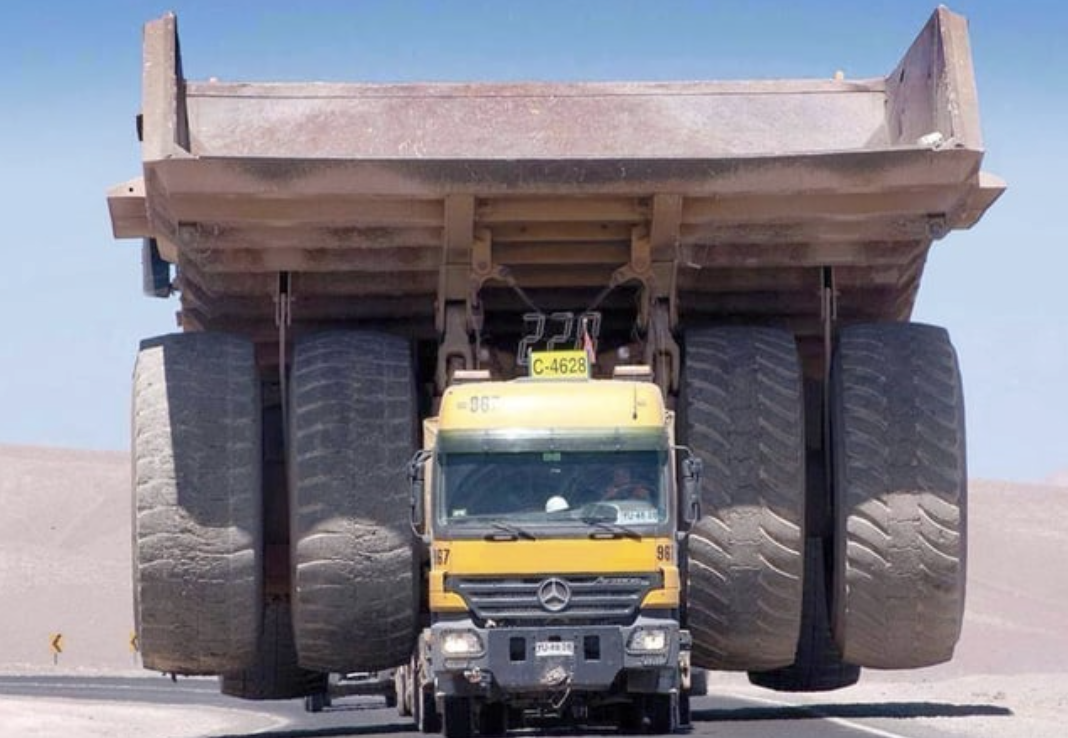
900, 496
197, 508
818, 665
352, 419
274, 673
742, 413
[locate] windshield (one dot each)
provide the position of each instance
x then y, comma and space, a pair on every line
524, 493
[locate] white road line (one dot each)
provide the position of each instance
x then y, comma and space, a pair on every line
844, 722
96, 687
277, 723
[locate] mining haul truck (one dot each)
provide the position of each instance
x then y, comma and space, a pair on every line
374, 274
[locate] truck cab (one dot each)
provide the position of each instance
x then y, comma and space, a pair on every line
552, 512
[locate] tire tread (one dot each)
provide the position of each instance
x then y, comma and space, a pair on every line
742, 413
352, 417
197, 528
901, 495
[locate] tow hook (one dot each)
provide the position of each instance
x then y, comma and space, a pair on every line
476, 676
555, 677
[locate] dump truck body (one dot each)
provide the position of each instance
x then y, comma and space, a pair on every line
725, 198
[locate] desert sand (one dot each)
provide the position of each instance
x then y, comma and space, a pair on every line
65, 560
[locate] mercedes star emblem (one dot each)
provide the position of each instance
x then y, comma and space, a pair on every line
554, 594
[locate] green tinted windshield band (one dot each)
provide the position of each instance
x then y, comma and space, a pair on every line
518, 441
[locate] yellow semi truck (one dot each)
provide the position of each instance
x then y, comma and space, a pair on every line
343, 252
554, 520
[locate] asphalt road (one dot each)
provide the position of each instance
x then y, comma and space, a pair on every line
724, 716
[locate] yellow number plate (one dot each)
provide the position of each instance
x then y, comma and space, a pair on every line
559, 365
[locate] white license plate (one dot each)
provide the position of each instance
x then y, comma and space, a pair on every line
554, 648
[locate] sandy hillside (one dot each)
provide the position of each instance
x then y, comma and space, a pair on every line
64, 567
64, 558
1058, 478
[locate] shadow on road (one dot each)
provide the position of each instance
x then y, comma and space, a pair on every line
859, 711
331, 732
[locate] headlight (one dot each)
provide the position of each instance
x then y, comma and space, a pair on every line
648, 640
461, 643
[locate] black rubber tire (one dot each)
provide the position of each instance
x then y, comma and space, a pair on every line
698, 683
818, 665
352, 421
631, 715
197, 503
492, 719
425, 709
685, 711
457, 717
742, 412
653, 714
274, 674
663, 712
900, 483
315, 702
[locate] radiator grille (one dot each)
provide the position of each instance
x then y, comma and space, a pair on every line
594, 598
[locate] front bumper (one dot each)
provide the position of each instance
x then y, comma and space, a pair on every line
512, 662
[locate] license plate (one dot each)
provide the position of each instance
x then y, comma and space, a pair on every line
554, 648
559, 365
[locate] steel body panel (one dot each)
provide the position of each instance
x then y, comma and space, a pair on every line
744, 187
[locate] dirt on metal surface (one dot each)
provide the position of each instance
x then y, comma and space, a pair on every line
727, 197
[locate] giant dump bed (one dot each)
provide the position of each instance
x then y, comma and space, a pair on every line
379, 200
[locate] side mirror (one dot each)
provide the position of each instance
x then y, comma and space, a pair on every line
416, 482
690, 498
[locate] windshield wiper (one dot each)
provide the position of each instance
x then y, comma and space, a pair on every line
511, 532
615, 530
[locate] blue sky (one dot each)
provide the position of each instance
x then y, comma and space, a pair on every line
71, 311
